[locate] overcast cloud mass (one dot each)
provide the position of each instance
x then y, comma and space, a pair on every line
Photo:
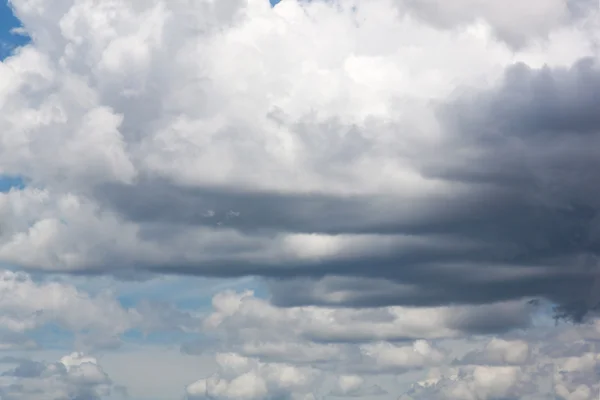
314, 199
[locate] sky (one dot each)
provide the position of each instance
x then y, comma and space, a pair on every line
299, 200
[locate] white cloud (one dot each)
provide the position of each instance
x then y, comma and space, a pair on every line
518, 365
575, 377
97, 320
256, 318
568, 371
244, 378
75, 376
366, 157
26, 305
477, 382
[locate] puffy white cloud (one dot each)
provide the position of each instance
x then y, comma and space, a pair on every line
26, 305
539, 364
530, 369
478, 382
75, 376
97, 320
243, 378
575, 377
256, 318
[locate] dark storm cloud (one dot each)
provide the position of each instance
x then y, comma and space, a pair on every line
535, 142
527, 226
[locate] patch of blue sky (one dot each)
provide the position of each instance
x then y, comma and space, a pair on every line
10, 35
10, 182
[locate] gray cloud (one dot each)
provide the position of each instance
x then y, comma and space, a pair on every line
511, 23
412, 197
525, 225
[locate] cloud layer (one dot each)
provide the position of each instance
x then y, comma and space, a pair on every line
447, 149
414, 182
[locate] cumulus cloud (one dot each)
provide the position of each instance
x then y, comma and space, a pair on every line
530, 364
478, 382
98, 321
444, 148
254, 320
529, 369
74, 377
398, 358
243, 378
26, 305
574, 377
402, 174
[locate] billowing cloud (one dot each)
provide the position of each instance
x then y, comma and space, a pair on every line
254, 322
26, 305
565, 374
531, 364
74, 377
98, 321
243, 378
478, 382
413, 181
446, 149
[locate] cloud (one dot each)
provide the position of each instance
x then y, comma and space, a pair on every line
243, 378
146, 147
514, 23
26, 305
255, 318
353, 342
97, 320
387, 356
500, 352
531, 364
408, 178
74, 377
479, 382
355, 386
